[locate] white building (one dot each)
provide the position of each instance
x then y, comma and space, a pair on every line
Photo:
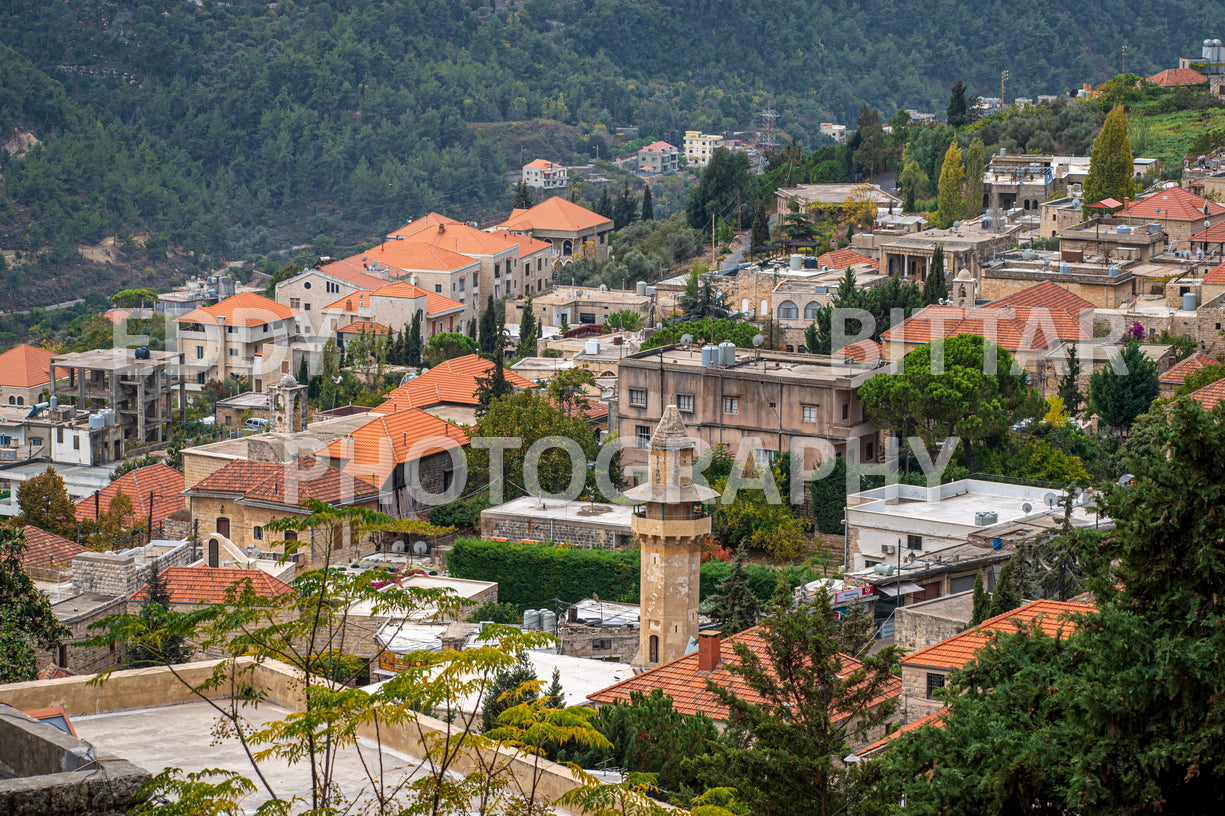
544, 175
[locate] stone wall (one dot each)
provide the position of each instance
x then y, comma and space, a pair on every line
1102, 291
590, 536
116, 575
617, 643
914, 702
917, 627
86, 659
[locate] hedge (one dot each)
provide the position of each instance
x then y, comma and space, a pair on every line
532, 575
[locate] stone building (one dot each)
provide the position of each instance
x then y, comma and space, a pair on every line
671, 525
143, 387
968, 246
600, 630
592, 525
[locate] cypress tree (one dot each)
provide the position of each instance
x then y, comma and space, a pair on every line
1120, 398
982, 603
735, 606
935, 287
529, 331
1111, 163
488, 335
1007, 595
975, 165
1069, 384
958, 111
648, 205
412, 341
760, 235
950, 195
303, 372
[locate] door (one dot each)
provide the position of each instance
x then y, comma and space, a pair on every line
223, 526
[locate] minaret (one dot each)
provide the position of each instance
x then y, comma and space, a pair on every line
671, 524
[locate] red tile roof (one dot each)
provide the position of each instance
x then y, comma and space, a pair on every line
542, 164
285, 484
1213, 235
658, 147
1172, 77
417, 256
1173, 204
1216, 275
366, 327
457, 236
353, 271
164, 482
935, 720
1177, 374
1015, 328
453, 381
25, 366
202, 585
1046, 295
375, 449
845, 258
246, 309
686, 685
865, 351
1053, 617
1210, 395
556, 214
47, 550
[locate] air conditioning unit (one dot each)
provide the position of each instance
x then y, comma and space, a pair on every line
888, 549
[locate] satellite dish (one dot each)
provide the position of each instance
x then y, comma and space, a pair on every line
1126, 479
1051, 499
758, 339
686, 339
1027, 508
420, 548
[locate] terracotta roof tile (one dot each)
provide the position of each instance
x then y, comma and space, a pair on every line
25, 366
555, 213
1210, 395
47, 550
286, 484
1012, 328
163, 481
453, 381
658, 147
366, 327
1174, 204
1172, 77
1212, 235
865, 351
414, 255
201, 585
1177, 374
935, 720
447, 233
1053, 617
353, 271
376, 448
542, 164
246, 309
845, 258
686, 685
1046, 295
1216, 275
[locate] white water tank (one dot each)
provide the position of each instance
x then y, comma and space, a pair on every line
531, 620
1188, 301
641, 287
96, 422
591, 347
727, 353
710, 356
548, 621
797, 262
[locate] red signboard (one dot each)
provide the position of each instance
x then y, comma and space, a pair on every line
852, 594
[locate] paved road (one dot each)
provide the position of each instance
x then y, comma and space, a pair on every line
733, 260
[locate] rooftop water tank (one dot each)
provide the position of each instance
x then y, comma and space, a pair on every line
548, 621
96, 422
810, 263
710, 356
797, 262
1188, 301
591, 347
641, 287
1064, 269
54, 402
1114, 271
727, 353
141, 354
531, 620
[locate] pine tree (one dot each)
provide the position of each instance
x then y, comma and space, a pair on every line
554, 695
935, 288
412, 342
507, 690
492, 384
604, 204
648, 204
982, 602
523, 196
1121, 397
304, 375
1007, 595
735, 606
958, 111
529, 331
950, 195
1111, 165
1069, 384
975, 166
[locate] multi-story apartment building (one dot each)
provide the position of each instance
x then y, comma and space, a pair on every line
247, 335
391, 307
659, 158
544, 175
569, 228
137, 385
699, 147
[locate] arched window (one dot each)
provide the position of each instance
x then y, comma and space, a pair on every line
787, 310
810, 311
21, 400
567, 247
12, 400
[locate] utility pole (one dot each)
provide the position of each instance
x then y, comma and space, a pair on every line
1124, 60
1003, 82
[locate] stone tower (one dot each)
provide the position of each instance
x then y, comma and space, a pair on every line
965, 290
671, 524
287, 405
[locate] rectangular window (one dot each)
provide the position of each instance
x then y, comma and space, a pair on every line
59, 436
76, 442
601, 644
265, 328
199, 378
257, 533
810, 413
914, 542
199, 352
638, 396
461, 284
306, 307
233, 352
731, 405
934, 681
295, 303
438, 288
643, 434
586, 318
684, 403
869, 452
846, 410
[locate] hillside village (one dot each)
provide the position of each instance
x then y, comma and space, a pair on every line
807, 513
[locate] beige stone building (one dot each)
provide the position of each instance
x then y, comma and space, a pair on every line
968, 246
25, 375
570, 229
246, 335
1180, 213
581, 305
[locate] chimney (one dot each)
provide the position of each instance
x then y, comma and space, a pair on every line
709, 652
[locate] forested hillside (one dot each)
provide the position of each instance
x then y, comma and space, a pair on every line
192, 130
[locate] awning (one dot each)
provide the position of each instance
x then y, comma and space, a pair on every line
894, 590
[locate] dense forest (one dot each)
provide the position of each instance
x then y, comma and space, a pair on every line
194, 130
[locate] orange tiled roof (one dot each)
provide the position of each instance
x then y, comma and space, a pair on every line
453, 381
686, 685
285, 484
376, 448
845, 258
1046, 295
354, 271
555, 213
542, 164
1011, 328
246, 309
416, 256
438, 230
1177, 374
1212, 235
434, 302
200, 585
658, 147
1172, 77
1051, 616
1216, 275
865, 351
1173, 204
25, 366
47, 550
163, 481
366, 327
935, 720
1210, 395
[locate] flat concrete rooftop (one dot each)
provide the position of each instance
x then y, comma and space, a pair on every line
958, 502
766, 364
607, 515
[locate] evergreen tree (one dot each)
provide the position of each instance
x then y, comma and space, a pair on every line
489, 337
949, 192
912, 181
735, 606
625, 208
648, 205
760, 235
304, 376
870, 152
982, 603
529, 331
976, 165
166, 647
935, 288
507, 690
604, 204
45, 504
412, 341
554, 695
1111, 164
1069, 384
812, 339
523, 196
1007, 594
1121, 397
492, 384
26, 619
958, 110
